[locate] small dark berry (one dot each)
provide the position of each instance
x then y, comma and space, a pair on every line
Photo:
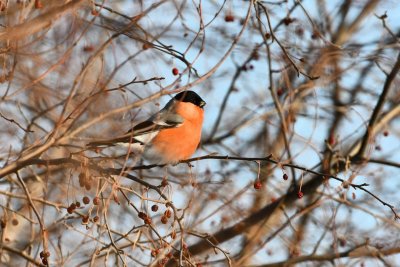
385, 133
44, 261
229, 18
267, 35
168, 213
257, 185
154, 208
299, 31
175, 71
173, 235
14, 222
85, 219
147, 46
72, 206
147, 220
88, 48
255, 55
46, 254
287, 20
164, 219
315, 35
78, 204
96, 201
154, 252
164, 183
96, 218
285, 176
142, 215
86, 200
70, 210
41, 254
38, 5
300, 194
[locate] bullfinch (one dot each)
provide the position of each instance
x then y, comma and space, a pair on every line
169, 136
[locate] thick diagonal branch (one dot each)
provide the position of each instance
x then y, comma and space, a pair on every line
379, 105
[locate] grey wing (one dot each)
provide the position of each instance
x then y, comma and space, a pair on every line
145, 131
165, 119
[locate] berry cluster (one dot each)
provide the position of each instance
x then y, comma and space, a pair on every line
144, 217
44, 255
166, 216
73, 207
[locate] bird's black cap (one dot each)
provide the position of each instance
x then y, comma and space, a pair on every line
190, 96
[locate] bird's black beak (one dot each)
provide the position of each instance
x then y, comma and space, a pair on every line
202, 104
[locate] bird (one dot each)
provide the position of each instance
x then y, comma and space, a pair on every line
169, 136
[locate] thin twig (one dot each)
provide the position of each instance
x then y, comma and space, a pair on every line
16, 123
299, 71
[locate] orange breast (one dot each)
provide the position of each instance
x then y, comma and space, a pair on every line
173, 145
